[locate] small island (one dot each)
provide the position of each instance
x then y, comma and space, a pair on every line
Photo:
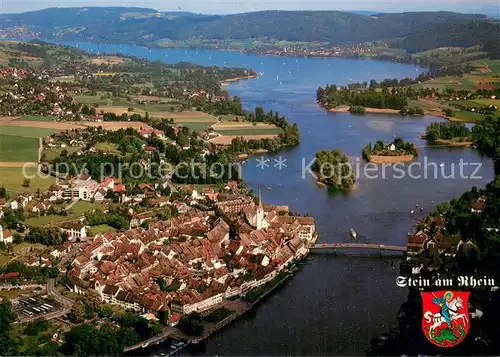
449, 134
334, 170
396, 151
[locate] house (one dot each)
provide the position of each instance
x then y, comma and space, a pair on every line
14, 205
100, 194
58, 252
11, 275
479, 205
392, 147
174, 319
147, 189
416, 243
74, 230
40, 207
115, 295
6, 236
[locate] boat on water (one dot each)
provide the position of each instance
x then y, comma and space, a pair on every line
269, 188
354, 235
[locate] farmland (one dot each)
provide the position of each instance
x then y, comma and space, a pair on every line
19, 144
36, 118
246, 130
18, 149
250, 132
27, 132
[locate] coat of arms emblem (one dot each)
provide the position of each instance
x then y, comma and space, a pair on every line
445, 319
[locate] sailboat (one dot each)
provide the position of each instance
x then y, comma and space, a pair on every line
354, 235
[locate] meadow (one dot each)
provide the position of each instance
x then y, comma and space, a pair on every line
77, 211
12, 179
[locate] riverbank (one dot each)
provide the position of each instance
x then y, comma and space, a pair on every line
228, 320
385, 159
227, 82
239, 307
253, 152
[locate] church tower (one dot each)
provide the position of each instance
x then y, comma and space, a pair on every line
260, 211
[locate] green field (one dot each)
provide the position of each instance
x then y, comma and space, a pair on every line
76, 212
92, 99
27, 132
492, 65
488, 102
18, 149
12, 179
197, 126
443, 83
36, 118
469, 116
101, 229
52, 153
450, 55
265, 131
107, 147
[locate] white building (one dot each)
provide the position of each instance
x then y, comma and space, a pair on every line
81, 188
199, 306
116, 296
74, 230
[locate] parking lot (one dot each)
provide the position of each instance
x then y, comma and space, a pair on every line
27, 308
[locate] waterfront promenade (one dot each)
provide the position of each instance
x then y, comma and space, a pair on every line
379, 247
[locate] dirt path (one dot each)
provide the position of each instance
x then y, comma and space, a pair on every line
14, 164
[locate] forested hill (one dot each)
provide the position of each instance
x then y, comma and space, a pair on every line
146, 26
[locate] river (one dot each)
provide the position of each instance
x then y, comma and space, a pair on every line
334, 305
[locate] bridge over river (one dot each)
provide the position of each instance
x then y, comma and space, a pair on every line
363, 246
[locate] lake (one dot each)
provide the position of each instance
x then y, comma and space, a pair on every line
334, 305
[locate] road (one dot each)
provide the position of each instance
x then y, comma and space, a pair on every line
20, 287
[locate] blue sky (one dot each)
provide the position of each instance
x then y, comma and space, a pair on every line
235, 6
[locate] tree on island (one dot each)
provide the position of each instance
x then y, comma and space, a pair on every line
334, 170
397, 148
447, 131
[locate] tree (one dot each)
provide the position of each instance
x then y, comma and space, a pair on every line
3, 192
128, 337
105, 311
92, 302
6, 319
142, 328
333, 169
77, 313
46, 236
